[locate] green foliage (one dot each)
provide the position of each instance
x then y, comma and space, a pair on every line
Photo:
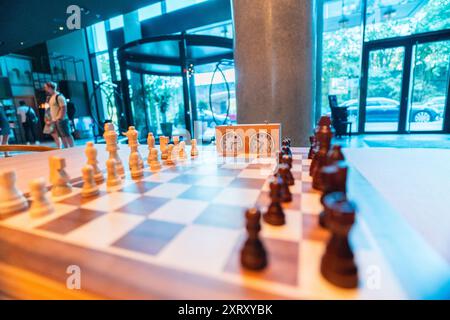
342, 48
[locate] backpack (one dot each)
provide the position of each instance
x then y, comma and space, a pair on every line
31, 117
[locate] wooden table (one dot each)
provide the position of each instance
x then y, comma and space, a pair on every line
406, 253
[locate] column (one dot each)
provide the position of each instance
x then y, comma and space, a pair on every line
274, 59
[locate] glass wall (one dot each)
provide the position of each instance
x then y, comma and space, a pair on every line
343, 40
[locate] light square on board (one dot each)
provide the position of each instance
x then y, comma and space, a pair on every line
144, 205
103, 231
238, 197
168, 190
255, 173
222, 216
162, 176
111, 201
200, 193
201, 248
215, 181
310, 203
180, 210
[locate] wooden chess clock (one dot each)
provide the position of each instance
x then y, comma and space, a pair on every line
260, 139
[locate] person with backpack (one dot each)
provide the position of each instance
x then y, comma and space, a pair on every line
29, 121
58, 112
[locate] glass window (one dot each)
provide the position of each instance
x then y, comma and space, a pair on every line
173, 5
391, 18
116, 22
99, 37
151, 11
341, 55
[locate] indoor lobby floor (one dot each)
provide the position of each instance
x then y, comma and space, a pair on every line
435, 141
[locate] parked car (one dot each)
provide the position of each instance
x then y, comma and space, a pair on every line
381, 109
437, 103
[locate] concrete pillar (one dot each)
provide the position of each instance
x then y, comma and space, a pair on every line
274, 59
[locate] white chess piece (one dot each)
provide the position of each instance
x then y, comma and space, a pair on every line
90, 188
40, 205
135, 166
11, 199
163, 141
150, 141
170, 155
61, 180
112, 147
91, 155
182, 150
113, 181
194, 150
155, 165
151, 145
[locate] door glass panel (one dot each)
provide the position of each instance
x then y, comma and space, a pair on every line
429, 86
384, 89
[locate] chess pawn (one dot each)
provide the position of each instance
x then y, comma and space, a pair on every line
113, 181
61, 184
286, 195
155, 165
312, 143
11, 199
170, 160
163, 147
150, 141
91, 155
40, 205
335, 180
90, 188
253, 253
335, 154
275, 215
337, 264
194, 150
289, 176
176, 141
135, 166
182, 150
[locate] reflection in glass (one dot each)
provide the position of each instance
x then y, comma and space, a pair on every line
384, 89
429, 86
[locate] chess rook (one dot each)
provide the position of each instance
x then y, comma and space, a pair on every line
337, 264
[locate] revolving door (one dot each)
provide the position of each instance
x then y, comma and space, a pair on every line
159, 84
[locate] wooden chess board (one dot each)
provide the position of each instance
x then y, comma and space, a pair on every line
177, 233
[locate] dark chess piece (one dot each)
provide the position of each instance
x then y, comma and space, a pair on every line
312, 147
286, 147
335, 154
335, 180
286, 195
324, 124
289, 176
253, 254
338, 265
275, 215
324, 135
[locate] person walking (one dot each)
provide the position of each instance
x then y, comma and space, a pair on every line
58, 111
29, 120
4, 128
49, 127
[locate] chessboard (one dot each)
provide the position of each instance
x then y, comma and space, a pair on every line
177, 234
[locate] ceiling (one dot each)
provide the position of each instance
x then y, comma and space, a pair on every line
24, 23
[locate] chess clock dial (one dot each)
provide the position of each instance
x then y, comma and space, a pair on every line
231, 142
261, 143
